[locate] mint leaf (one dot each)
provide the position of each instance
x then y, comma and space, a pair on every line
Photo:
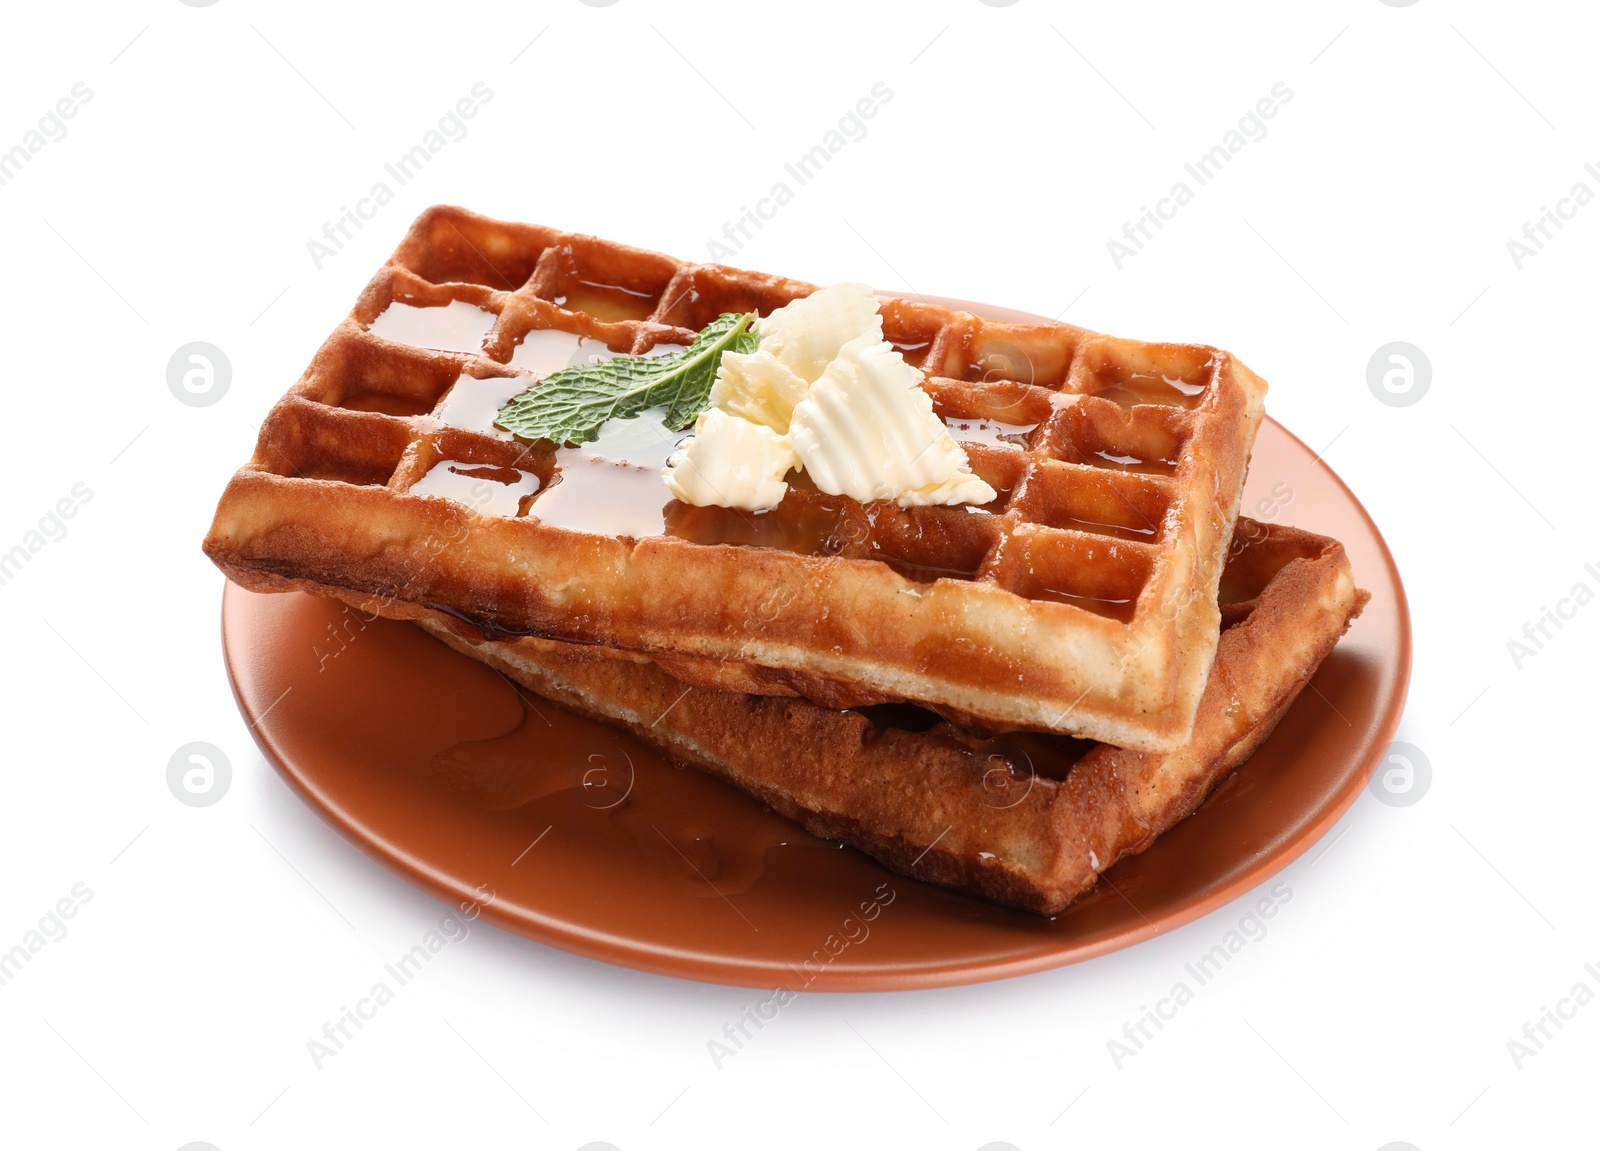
569, 406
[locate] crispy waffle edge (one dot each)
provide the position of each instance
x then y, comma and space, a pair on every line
923, 802
344, 526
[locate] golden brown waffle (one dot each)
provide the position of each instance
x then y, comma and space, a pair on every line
1028, 821
1083, 599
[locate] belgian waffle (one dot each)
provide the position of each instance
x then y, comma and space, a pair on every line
1081, 600
1029, 821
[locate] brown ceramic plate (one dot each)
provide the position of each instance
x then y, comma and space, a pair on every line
441, 770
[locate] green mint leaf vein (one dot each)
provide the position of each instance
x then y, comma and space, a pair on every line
569, 406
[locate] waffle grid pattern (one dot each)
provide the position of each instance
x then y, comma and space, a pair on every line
1117, 484
1026, 820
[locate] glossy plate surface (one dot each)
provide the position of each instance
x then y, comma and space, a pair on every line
438, 768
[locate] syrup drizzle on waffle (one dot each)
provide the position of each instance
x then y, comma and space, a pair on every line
1117, 463
1077, 447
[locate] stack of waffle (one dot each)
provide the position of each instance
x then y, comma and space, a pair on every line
1002, 699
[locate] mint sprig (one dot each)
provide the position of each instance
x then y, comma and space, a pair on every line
569, 406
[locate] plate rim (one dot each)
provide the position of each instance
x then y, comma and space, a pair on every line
607, 948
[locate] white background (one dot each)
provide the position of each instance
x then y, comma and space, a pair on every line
1018, 140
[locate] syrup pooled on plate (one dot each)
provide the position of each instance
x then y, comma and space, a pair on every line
561, 767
